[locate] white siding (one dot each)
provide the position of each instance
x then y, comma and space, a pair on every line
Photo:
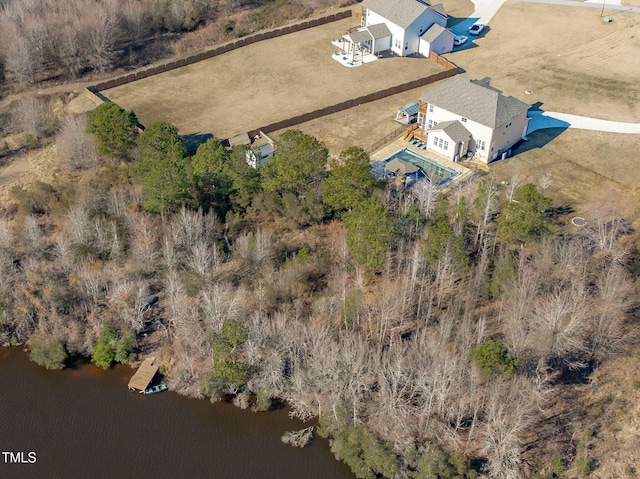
482, 135
406, 41
397, 33
508, 135
441, 45
440, 142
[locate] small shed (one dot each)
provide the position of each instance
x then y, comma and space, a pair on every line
144, 375
407, 114
241, 139
258, 154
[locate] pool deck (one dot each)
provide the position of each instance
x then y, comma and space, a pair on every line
398, 144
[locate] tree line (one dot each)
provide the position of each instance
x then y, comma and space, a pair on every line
66, 39
425, 334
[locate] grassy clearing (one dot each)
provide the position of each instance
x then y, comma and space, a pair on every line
262, 83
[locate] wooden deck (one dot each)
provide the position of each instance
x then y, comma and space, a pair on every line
144, 375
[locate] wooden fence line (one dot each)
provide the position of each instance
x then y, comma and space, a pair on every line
94, 91
386, 139
345, 105
242, 42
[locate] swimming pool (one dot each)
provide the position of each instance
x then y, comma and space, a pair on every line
436, 172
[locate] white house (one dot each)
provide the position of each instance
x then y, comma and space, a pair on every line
436, 39
406, 21
464, 117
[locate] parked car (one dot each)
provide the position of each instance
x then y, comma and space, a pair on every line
476, 28
459, 40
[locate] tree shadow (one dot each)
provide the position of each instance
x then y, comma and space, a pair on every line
193, 140
558, 211
576, 376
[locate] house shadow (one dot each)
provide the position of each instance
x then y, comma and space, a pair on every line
193, 140
542, 129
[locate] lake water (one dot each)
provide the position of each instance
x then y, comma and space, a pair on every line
83, 422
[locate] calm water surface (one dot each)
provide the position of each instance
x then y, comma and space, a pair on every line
83, 422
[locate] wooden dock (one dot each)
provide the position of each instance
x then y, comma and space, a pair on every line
144, 375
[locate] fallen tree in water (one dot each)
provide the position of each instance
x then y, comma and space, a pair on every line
298, 438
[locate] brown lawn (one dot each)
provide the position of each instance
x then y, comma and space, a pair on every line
262, 83
572, 61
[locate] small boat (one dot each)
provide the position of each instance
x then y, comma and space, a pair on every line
155, 389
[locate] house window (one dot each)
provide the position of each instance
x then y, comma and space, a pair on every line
482, 145
435, 141
406, 45
446, 145
440, 142
430, 123
397, 43
431, 108
421, 28
464, 120
421, 119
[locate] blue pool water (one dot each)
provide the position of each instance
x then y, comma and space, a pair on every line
433, 170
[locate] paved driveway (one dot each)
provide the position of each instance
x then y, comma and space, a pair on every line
553, 119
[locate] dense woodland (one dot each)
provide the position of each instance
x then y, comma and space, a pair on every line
62, 40
427, 333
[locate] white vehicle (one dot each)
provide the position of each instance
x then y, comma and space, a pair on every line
476, 28
459, 40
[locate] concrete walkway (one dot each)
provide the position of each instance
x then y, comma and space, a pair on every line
486, 9
552, 119
608, 4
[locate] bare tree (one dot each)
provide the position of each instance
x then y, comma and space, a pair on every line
545, 181
510, 410
514, 183
136, 21
487, 203
613, 299
34, 117
559, 325
74, 143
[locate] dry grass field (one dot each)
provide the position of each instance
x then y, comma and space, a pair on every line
572, 61
262, 83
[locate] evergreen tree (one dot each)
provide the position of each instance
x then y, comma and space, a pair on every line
524, 218
210, 168
292, 179
349, 180
298, 166
245, 180
441, 239
163, 168
115, 128
369, 228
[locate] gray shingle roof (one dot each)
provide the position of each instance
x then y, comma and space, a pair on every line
401, 12
366, 34
476, 101
434, 32
454, 130
379, 31
439, 8
360, 36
